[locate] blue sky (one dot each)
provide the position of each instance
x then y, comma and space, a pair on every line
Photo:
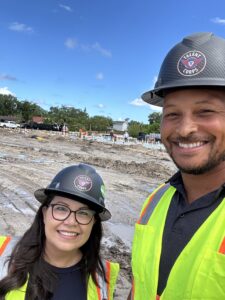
98, 54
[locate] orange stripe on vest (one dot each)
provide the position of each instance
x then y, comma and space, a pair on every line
98, 289
5, 243
108, 271
132, 289
222, 247
146, 207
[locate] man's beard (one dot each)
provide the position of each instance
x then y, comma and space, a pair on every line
209, 165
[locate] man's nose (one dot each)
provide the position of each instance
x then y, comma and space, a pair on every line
186, 126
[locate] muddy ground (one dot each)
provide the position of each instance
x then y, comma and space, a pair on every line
30, 159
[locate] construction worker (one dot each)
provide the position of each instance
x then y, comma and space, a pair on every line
178, 249
58, 257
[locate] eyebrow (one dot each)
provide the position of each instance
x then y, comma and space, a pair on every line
202, 101
67, 205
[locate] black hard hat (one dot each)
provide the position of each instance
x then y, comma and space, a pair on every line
79, 182
197, 61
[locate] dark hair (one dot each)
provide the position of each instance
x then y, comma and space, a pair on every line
27, 260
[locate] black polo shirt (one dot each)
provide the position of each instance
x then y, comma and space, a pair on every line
71, 284
183, 220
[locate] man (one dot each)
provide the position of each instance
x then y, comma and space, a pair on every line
179, 242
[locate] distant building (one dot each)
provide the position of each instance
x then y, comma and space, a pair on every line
38, 119
8, 118
120, 125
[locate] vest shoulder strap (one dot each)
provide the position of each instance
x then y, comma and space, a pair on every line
152, 202
105, 289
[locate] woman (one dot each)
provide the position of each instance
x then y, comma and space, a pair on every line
59, 255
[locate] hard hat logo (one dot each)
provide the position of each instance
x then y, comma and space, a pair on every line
191, 63
83, 183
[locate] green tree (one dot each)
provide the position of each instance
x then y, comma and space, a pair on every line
28, 110
154, 117
135, 127
73, 117
8, 105
100, 123
154, 128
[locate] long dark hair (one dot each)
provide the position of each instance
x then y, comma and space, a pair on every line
26, 261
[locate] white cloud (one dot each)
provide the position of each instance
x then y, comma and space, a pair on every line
66, 7
19, 27
138, 102
71, 43
155, 108
100, 105
154, 81
7, 77
99, 76
104, 52
218, 20
6, 91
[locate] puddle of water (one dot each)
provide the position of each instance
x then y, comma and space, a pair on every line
123, 231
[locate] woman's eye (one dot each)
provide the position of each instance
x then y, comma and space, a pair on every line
61, 208
83, 212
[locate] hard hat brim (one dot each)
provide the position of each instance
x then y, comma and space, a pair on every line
155, 96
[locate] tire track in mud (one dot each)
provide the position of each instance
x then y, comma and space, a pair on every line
18, 205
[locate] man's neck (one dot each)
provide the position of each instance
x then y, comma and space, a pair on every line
199, 185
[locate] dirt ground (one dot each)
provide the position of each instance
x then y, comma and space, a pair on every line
29, 160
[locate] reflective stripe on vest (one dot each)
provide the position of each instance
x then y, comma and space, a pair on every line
199, 271
222, 247
4, 240
151, 204
7, 244
105, 290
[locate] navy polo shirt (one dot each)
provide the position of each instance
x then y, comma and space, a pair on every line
71, 283
183, 220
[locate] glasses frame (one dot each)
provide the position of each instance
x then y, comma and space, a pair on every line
71, 211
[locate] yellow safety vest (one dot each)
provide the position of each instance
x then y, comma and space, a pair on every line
199, 271
104, 291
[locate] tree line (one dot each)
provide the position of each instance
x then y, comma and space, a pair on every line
75, 118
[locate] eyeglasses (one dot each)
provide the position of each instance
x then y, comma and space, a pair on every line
61, 212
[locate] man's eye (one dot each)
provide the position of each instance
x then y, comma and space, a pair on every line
206, 111
170, 115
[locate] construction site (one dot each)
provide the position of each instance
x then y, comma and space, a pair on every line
31, 158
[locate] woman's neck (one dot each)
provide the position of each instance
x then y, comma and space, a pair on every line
62, 260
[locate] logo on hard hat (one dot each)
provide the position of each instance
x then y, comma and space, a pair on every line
191, 63
83, 183
103, 190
